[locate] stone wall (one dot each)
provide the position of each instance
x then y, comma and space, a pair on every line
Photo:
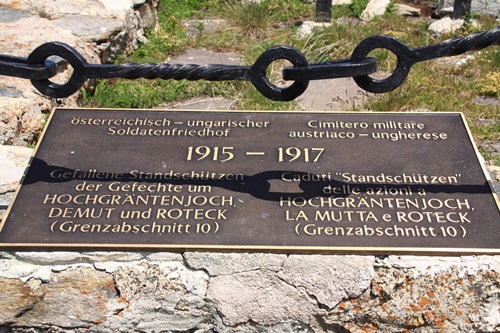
246, 292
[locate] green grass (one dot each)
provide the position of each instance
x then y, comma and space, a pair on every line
250, 19
352, 10
274, 22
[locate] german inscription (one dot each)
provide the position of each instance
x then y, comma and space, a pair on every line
335, 182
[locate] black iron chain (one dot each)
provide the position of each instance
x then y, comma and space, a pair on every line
407, 57
38, 69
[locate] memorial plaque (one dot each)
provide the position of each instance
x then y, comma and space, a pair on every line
260, 181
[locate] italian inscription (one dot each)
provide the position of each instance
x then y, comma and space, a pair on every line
346, 182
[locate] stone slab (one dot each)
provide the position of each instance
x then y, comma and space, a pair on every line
405, 10
332, 95
202, 57
12, 165
207, 104
90, 28
8, 14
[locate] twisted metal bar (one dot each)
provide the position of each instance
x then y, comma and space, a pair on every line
255, 73
407, 57
39, 70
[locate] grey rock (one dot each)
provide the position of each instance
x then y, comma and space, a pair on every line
146, 12
8, 14
445, 7
445, 25
54, 258
12, 166
405, 10
196, 56
307, 28
21, 119
486, 101
66, 258
108, 266
486, 7
26, 41
279, 327
482, 7
161, 295
340, 94
111, 256
329, 278
259, 296
494, 171
127, 40
341, 2
152, 279
5, 200
6, 92
55, 8
91, 28
111, 262
74, 298
207, 26
450, 302
15, 269
420, 265
373, 9
206, 104
230, 263
164, 256
17, 298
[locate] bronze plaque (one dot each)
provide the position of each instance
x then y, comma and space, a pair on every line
264, 181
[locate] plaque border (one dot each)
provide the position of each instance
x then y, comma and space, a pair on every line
256, 248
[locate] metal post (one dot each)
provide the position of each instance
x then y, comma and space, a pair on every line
323, 10
460, 8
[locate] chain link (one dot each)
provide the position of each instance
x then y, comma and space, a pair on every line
38, 69
19, 67
407, 57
